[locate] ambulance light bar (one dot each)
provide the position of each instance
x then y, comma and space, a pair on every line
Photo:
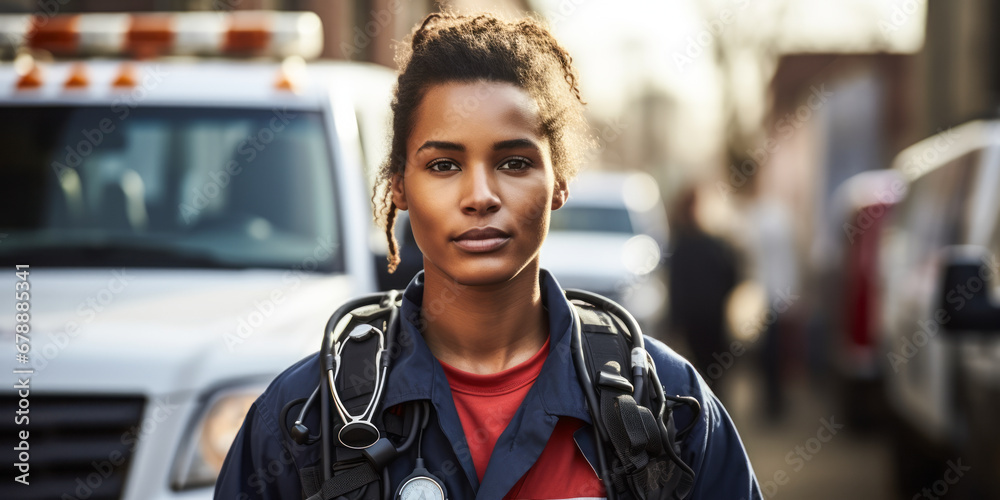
148, 35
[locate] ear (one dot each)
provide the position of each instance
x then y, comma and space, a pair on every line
398, 192
560, 195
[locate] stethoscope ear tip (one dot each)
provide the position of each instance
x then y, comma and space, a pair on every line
299, 433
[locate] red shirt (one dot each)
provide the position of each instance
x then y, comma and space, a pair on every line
485, 405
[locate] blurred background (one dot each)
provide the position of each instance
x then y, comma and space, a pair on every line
803, 198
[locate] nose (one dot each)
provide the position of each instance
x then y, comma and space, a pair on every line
479, 192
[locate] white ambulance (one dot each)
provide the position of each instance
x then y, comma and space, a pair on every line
182, 205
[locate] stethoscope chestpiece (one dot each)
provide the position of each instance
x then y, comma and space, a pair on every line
358, 434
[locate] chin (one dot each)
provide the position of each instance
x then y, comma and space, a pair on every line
480, 271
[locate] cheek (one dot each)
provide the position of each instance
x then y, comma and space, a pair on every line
533, 207
419, 223
426, 213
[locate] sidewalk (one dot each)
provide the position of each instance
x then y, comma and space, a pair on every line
811, 454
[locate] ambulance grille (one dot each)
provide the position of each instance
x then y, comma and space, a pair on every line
78, 446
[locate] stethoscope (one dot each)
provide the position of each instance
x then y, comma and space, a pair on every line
360, 433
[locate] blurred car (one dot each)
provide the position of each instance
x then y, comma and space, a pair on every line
941, 324
863, 204
610, 238
186, 225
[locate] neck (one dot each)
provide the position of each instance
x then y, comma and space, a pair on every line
484, 329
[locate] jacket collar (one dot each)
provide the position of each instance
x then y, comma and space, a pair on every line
415, 374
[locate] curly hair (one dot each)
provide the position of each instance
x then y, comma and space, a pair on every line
450, 47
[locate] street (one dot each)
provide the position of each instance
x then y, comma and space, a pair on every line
800, 457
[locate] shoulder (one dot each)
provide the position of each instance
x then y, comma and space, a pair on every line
678, 375
262, 463
296, 382
680, 378
288, 390
713, 447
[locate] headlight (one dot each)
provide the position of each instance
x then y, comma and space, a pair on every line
201, 459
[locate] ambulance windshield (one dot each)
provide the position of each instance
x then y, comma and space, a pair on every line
167, 187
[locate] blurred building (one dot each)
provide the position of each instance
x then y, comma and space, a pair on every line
957, 74
854, 110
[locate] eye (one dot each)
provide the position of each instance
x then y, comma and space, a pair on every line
443, 166
516, 164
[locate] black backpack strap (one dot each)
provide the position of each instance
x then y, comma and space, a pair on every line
347, 481
356, 380
642, 467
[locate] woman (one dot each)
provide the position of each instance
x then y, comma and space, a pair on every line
487, 132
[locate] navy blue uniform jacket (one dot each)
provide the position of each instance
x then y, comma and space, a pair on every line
263, 463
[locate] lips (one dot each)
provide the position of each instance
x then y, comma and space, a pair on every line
484, 239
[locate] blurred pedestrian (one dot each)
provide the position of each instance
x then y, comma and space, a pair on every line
703, 271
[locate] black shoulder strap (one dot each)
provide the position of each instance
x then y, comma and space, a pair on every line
642, 467
346, 481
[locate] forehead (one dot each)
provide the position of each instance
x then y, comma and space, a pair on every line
454, 110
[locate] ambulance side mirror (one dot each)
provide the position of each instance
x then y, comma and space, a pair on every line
968, 276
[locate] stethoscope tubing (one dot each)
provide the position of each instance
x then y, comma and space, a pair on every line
331, 364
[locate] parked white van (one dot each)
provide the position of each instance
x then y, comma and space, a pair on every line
176, 230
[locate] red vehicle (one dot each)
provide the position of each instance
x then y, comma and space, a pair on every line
865, 201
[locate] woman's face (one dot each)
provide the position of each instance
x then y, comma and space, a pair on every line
478, 181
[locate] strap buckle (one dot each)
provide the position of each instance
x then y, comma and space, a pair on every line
611, 377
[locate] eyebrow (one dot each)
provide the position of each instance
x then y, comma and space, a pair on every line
514, 144
500, 146
450, 146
